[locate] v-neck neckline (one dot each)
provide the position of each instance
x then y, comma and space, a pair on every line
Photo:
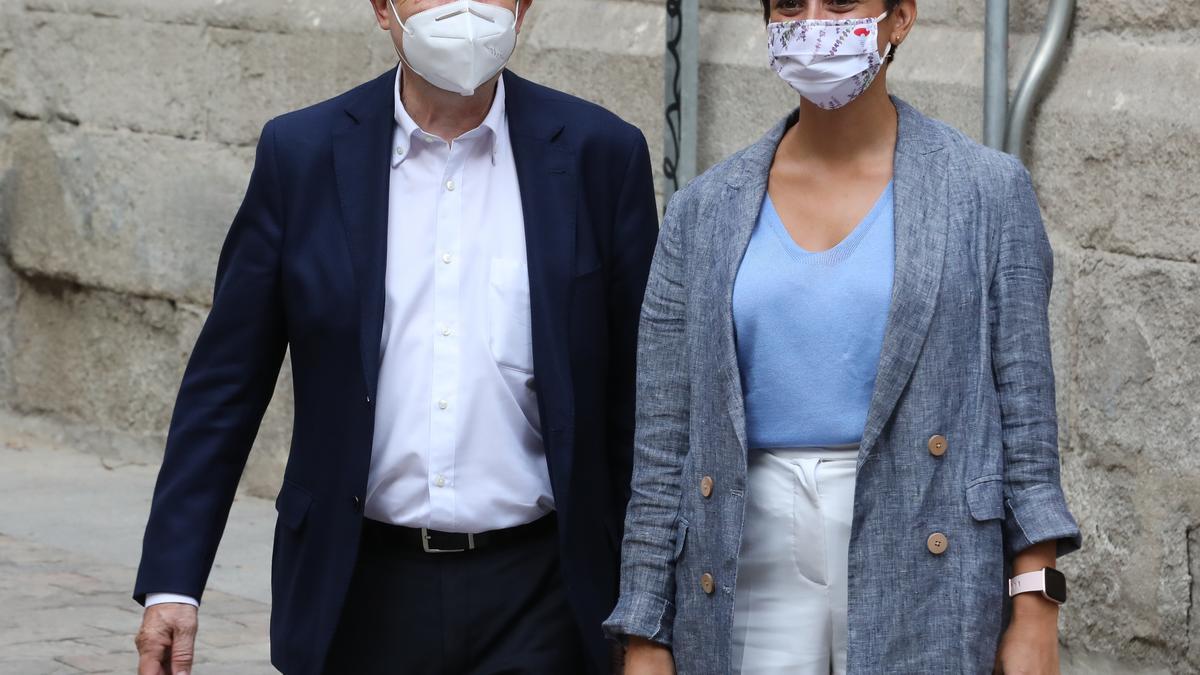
839, 251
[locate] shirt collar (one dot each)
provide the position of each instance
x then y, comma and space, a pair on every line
409, 133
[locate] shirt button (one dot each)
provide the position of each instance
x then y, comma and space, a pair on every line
440, 480
937, 543
707, 583
357, 504
445, 332
446, 258
706, 486
443, 404
937, 445
450, 185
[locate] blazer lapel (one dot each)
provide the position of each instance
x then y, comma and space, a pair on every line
549, 200
731, 230
921, 215
361, 158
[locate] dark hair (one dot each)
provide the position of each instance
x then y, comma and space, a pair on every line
890, 4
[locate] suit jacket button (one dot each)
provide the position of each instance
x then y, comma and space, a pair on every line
706, 486
937, 543
357, 504
707, 584
937, 445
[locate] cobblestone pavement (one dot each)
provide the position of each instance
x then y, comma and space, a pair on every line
70, 536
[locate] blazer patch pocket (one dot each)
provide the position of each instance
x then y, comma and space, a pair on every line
510, 334
985, 498
681, 528
292, 504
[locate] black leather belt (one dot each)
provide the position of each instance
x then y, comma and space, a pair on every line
424, 540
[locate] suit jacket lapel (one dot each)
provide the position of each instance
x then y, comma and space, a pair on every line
731, 230
549, 200
361, 158
921, 215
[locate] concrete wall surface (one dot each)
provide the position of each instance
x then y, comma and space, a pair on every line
127, 131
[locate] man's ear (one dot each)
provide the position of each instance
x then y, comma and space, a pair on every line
523, 7
383, 14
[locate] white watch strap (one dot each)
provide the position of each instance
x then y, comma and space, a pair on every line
1029, 581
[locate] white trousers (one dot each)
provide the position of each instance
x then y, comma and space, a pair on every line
790, 603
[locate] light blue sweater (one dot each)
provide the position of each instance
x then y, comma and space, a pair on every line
810, 329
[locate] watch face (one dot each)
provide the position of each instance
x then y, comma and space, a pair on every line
1056, 585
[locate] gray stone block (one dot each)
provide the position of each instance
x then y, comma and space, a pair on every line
114, 362
138, 213
258, 75
121, 74
274, 16
8, 303
1136, 367
1132, 466
1119, 180
1025, 17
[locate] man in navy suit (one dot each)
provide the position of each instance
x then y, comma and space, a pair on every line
455, 258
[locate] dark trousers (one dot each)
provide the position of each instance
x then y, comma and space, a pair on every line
496, 610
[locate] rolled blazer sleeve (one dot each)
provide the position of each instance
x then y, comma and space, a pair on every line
1035, 507
646, 607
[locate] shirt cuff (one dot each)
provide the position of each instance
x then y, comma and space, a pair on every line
153, 599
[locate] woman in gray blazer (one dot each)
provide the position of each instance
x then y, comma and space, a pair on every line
846, 433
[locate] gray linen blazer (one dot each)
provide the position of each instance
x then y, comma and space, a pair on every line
966, 355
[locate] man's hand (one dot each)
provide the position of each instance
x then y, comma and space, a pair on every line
166, 642
644, 657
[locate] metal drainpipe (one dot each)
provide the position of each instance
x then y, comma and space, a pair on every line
1045, 56
995, 74
682, 80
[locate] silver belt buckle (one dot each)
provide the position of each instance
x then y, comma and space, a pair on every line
429, 549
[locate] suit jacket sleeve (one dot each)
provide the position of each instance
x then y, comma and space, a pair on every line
1036, 509
635, 231
226, 387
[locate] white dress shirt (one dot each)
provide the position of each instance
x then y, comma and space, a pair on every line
457, 441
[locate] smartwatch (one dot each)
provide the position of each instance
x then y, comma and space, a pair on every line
1048, 581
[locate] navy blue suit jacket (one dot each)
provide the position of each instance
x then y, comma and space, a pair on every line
302, 269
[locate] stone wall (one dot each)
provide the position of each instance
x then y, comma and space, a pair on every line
126, 137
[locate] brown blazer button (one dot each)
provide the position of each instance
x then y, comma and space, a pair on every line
937, 445
706, 486
937, 543
707, 584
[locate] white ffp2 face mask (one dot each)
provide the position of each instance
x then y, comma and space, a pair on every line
830, 63
459, 45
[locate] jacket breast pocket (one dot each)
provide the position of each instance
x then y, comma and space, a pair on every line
510, 334
292, 504
985, 498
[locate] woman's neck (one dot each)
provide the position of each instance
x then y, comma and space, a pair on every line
864, 129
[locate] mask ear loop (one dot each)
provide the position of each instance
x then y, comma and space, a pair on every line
396, 47
889, 52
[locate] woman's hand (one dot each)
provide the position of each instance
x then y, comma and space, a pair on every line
1030, 645
643, 657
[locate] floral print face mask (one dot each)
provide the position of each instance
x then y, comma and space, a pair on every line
830, 63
